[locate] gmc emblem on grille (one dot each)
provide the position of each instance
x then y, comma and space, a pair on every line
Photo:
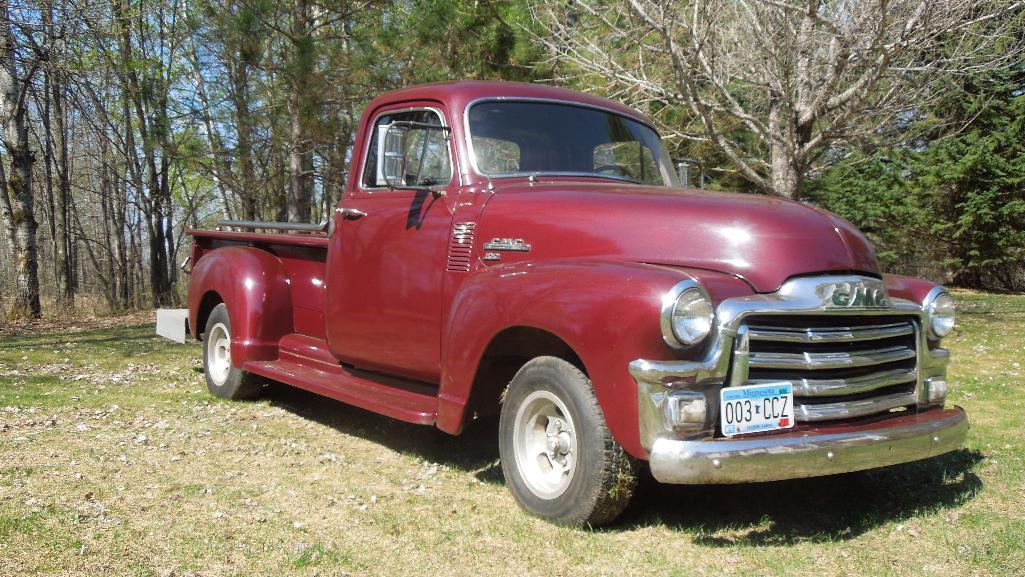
854, 295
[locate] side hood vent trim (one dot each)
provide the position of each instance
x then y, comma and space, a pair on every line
460, 247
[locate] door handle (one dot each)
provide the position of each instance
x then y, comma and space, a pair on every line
350, 213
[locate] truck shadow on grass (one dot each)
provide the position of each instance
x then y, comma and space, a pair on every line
822, 509
475, 451
779, 513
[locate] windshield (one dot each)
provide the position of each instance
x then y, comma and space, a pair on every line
515, 138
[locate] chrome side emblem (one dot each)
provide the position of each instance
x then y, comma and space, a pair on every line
512, 244
854, 294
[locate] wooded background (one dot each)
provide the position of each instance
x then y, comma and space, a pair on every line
126, 121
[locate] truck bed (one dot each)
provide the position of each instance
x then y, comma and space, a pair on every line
304, 257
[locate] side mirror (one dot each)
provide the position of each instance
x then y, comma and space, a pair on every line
413, 156
688, 170
683, 172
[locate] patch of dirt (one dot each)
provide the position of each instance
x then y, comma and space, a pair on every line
75, 324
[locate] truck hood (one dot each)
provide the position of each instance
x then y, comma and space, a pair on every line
764, 240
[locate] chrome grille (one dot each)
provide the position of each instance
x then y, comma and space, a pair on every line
841, 366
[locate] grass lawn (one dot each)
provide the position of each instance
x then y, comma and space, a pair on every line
115, 461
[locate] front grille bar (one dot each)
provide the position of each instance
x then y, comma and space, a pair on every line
829, 335
823, 361
851, 409
846, 386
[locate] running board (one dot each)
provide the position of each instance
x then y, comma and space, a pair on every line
403, 400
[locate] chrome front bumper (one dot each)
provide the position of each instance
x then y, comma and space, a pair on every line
809, 453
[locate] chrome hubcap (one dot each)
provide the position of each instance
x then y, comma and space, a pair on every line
545, 444
218, 347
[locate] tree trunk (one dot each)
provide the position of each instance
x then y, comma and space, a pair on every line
124, 292
5, 206
26, 281
8, 226
168, 217
300, 153
65, 286
138, 279
243, 124
109, 232
48, 160
281, 191
786, 178
300, 163
14, 87
56, 153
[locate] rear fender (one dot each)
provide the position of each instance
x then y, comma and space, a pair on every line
254, 286
607, 312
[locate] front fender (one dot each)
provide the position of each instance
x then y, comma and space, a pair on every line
908, 288
607, 312
254, 286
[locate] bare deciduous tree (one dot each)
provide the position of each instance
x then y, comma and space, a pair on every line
797, 76
57, 153
20, 58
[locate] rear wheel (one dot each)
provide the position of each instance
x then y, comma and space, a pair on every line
223, 379
558, 456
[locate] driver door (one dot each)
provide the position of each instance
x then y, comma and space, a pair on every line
388, 249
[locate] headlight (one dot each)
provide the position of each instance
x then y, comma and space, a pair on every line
939, 306
687, 315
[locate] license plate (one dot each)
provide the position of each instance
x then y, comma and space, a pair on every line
756, 408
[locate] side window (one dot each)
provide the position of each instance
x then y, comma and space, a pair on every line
630, 159
426, 151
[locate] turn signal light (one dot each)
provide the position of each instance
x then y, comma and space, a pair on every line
686, 410
937, 391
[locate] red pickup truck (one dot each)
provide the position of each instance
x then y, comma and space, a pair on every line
527, 251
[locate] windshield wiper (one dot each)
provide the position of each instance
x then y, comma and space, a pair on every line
583, 174
613, 177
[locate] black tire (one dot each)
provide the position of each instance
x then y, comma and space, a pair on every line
230, 382
603, 476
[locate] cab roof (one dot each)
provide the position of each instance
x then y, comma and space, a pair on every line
458, 94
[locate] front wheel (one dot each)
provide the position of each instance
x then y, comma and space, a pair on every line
223, 379
558, 456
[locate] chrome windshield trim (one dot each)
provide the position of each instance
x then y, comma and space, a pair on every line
472, 154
